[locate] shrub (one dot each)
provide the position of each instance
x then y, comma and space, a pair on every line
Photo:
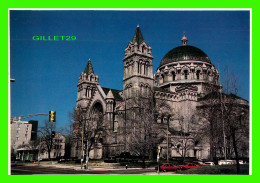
218, 170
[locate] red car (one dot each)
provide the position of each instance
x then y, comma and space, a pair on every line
188, 166
167, 167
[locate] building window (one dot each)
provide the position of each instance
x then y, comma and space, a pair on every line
186, 74
163, 78
26, 135
198, 74
17, 138
143, 49
173, 76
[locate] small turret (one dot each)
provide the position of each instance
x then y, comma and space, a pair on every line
110, 95
184, 40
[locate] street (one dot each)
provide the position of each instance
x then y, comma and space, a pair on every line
55, 170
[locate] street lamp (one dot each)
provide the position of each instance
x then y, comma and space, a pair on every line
158, 158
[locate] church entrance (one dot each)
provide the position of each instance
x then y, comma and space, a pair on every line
97, 120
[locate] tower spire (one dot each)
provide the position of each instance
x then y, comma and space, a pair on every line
89, 68
138, 37
184, 40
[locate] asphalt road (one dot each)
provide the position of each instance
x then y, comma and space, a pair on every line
37, 170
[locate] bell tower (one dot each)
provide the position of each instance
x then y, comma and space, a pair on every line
87, 83
138, 67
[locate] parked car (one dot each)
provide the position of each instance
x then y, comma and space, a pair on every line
167, 167
188, 166
226, 162
242, 162
202, 164
209, 163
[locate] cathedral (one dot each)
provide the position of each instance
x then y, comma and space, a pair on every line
185, 75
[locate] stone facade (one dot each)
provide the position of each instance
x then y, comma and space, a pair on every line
58, 150
184, 76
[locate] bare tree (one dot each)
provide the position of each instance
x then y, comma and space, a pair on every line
88, 129
46, 140
141, 126
67, 130
227, 116
188, 131
235, 110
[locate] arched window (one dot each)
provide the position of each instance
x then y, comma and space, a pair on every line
143, 49
178, 147
138, 67
186, 74
163, 78
91, 78
144, 69
173, 76
198, 74
87, 92
157, 79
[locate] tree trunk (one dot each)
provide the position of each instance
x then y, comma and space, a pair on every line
49, 154
235, 149
143, 162
211, 152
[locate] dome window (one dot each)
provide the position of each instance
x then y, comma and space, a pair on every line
163, 78
198, 74
173, 76
186, 74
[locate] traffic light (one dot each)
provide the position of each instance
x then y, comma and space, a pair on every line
52, 116
52, 134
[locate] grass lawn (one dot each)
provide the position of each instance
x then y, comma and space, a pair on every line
218, 170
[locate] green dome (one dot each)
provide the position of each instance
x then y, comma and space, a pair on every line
183, 53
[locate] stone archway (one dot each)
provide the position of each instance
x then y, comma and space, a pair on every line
97, 120
96, 112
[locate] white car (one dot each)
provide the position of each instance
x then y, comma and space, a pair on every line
226, 162
209, 163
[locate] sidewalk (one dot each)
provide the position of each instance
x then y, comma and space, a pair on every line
78, 166
100, 168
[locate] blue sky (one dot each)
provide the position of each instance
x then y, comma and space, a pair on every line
46, 72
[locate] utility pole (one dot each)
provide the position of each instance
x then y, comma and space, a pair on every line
82, 146
223, 123
125, 126
87, 156
158, 159
167, 142
39, 152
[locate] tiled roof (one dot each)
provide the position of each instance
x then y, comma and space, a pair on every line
115, 93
